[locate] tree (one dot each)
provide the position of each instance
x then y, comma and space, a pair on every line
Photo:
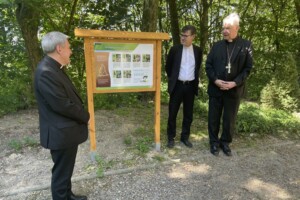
272, 26
203, 13
297, 6
174, 21
28, 19
150, 15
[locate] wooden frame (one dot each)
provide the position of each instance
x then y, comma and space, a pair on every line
93, 36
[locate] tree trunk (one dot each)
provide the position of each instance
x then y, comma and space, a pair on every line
28, 20
149, 24
204, 24
150, 15
174, 22
68, 28
297, 5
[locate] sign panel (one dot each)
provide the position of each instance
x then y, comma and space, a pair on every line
123, 65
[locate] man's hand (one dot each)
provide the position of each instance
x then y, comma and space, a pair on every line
225, 85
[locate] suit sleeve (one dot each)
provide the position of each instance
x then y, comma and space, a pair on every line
210, 71
200, 57
169, 62
62, 100
241, 78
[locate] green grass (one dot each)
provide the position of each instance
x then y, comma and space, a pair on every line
19, 144
15, 144
103, 165
128, 140
253, 123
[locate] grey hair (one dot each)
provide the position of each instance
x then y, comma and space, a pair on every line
51, 40
232, 19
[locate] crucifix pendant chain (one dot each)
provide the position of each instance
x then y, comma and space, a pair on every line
229, 57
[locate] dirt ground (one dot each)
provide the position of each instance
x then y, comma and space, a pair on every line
267, 169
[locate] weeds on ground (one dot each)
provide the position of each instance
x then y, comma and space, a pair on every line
102, 165
18, 145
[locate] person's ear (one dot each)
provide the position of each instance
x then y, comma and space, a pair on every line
58, 49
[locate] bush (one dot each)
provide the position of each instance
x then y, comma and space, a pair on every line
15, 96
255, 119
115, 100
283, 91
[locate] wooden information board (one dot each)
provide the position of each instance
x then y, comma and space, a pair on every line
118, 61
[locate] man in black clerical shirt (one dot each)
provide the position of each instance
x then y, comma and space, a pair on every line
227, 66
62, 117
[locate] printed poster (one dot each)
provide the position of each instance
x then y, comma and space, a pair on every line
123, 65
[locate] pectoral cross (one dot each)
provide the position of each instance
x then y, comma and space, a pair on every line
228, 67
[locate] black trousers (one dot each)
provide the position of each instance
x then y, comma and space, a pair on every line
228, 106
64, 161
183, 93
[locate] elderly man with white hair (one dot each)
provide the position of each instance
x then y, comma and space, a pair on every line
227, 67
62, 116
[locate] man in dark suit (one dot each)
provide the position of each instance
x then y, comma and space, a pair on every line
227, 67
63, 119
182, 67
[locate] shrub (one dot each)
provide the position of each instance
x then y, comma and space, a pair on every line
283, 91
255, 119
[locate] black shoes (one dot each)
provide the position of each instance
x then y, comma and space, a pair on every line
77, 197
226, 149
186, 143
214, 149
171, 144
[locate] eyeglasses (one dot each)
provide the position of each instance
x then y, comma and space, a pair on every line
184, 36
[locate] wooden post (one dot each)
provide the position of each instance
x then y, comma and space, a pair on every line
157, 96
88, 47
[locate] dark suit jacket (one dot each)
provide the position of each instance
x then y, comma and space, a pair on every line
63, 119
241, 64
173, 66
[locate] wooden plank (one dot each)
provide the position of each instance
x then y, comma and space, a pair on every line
121, 34
88, 48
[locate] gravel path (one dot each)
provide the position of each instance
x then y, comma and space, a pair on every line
270, 172
267, 170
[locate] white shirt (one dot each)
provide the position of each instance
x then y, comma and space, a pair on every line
187, 66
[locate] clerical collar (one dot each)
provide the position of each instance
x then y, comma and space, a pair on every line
233, 40
55, 62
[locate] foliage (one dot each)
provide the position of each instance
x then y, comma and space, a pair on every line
143, 145
15, 96
266, 121
115, 100
102, 165
16, 93
164, 93
283, 91
128, 140
272, 26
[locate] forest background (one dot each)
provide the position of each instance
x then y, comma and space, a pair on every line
272, 92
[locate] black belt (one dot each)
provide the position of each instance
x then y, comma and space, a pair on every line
185, 82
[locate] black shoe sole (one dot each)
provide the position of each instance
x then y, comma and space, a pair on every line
187, 145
